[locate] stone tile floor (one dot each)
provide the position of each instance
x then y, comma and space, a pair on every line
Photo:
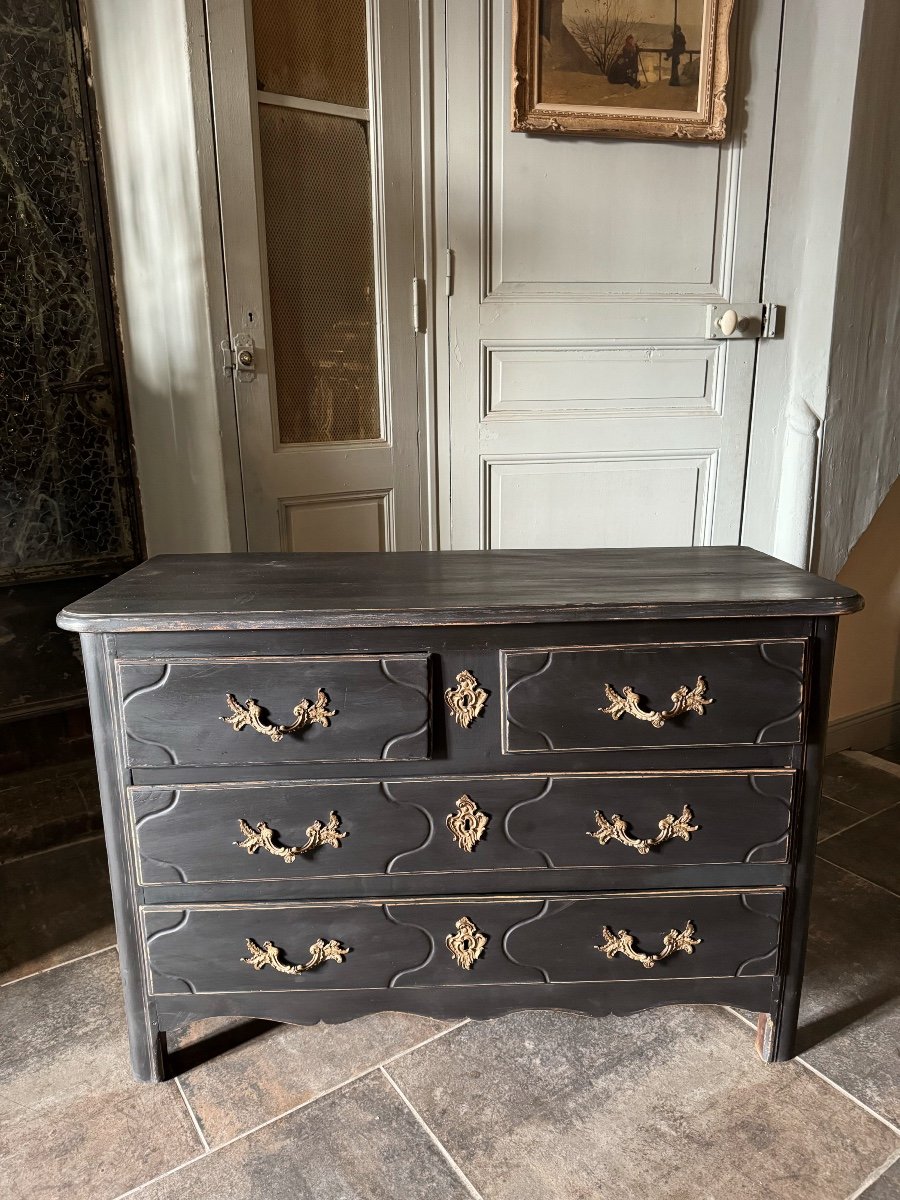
670, 1104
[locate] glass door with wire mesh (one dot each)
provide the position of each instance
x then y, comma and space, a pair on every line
314, 109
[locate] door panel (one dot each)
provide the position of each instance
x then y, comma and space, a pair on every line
525, 499
587, 407
542, 383
313, 110
354, 521
545, 237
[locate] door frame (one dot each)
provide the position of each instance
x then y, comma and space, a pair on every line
784, 439
186, 437
274, 471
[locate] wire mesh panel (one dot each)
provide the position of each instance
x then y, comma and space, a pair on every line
318, 218
315, 49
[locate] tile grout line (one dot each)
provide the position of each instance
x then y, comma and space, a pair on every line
856, 1100
875, 1175
866, 759
335, 1088
856, 875
825, 1078
288, 1112
826, 795
247, 1133
451, 1162
187, 1105
418, 1046
853, 825
139, 1187
55, 967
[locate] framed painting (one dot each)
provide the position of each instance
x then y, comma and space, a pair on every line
623, 68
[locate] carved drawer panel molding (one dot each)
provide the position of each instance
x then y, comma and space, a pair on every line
464, 942
268, 710
209, 833
459, 785
645, 697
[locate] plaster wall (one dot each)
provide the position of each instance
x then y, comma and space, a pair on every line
157, 152
861, 447
820, 42
867, 663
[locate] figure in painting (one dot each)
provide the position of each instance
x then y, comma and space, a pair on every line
624, 68
620, 54
679, 46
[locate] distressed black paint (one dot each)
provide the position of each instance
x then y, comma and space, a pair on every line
539, 888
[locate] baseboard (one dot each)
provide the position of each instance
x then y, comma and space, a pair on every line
869, 730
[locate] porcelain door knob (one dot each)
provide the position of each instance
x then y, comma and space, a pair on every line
728, 322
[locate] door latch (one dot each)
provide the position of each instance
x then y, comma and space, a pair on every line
743, 321
239, 356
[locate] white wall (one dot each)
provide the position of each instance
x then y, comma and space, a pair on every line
865, 697
157, 158
812, 141
861, 451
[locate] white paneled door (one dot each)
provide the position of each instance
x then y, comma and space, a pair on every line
586, 405
313, 111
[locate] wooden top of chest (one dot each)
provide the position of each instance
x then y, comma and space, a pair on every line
320, 591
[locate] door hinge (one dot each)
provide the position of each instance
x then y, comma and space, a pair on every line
239, 356
418, 306
448, 273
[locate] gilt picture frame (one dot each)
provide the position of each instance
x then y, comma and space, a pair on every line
621, 68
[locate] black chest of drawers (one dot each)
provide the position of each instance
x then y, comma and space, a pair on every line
459, 784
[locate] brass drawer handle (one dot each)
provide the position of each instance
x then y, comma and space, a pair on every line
466, 944
623, 943
468, 824
262, 837
305, 713
466, 700
268, 955
683, 700
670, 826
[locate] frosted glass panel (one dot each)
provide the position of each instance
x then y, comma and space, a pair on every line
318, 219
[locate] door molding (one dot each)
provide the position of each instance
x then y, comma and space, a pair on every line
590, 293
150, 77
182, 405
789, 392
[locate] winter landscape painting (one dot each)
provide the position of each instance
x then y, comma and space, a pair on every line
631, 68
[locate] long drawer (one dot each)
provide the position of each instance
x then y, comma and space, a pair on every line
231, 710
646, 696
499, 940
307, 831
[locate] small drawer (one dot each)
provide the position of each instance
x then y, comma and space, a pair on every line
408, 944
305, 831
233, 711
645, 696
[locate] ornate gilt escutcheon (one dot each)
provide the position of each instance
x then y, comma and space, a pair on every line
468, 824
268, 955
616, 829
466, 700
684, 700
466, 944
623, 943
262, 837
249, 716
